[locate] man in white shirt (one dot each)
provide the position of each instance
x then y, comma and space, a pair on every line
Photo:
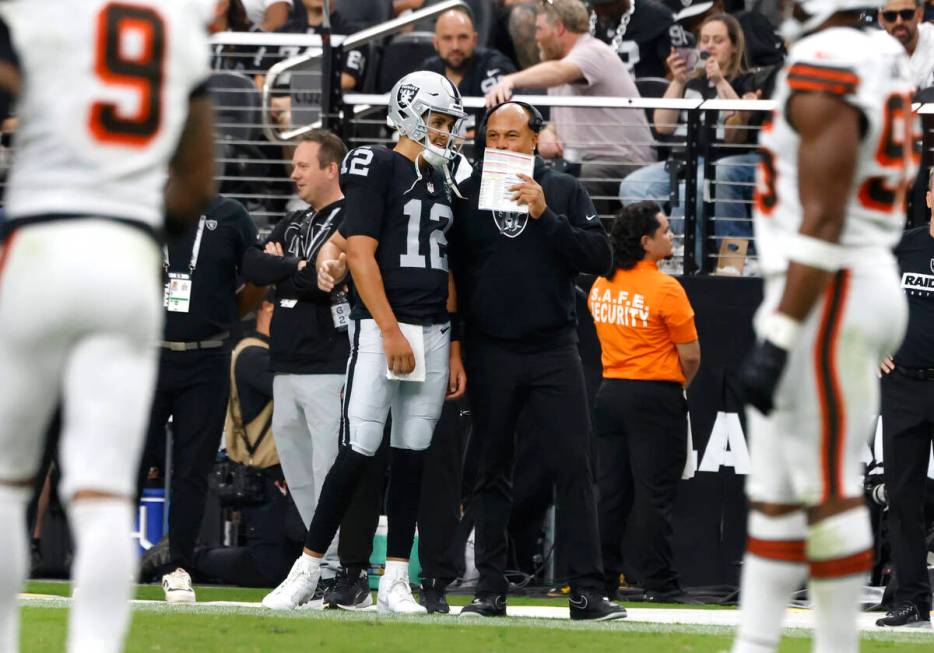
607, 142
903, 19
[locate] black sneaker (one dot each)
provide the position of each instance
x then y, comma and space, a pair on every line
155, 561
906, 615
351, 590
485, 605
324, 587
590, 605
433, 597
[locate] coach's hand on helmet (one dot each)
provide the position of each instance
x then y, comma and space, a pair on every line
529, 193
399, 355
500, 93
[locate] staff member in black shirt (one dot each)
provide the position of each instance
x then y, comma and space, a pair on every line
514, 275
908, 427
201, 270
308, 348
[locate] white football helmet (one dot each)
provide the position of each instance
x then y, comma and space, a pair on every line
411, 101
818, 11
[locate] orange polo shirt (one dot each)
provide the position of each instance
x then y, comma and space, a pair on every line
640, 315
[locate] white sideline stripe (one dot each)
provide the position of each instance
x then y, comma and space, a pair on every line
794, 617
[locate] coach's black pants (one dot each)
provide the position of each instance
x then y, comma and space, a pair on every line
193, 388
641, 433
907, 432
550, 383
439, 503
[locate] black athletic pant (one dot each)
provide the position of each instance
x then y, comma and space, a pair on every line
641, 433
193, 388
439, 504
907, 432
550, 383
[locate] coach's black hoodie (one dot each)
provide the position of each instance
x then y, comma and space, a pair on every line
515, 275
303, 339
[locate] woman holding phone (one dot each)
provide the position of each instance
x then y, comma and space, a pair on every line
716, 69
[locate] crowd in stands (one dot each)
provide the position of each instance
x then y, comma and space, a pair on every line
691, 49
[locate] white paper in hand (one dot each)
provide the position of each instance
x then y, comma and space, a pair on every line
415, 334
501, 169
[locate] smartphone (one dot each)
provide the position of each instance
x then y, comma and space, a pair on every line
693, 58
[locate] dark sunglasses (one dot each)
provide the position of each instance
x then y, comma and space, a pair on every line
906, 14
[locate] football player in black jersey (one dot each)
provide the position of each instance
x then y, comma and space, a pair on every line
398, 209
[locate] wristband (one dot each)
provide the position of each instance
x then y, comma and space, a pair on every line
781, 330
815, 253
456, 326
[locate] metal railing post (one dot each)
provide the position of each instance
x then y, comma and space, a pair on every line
690, 193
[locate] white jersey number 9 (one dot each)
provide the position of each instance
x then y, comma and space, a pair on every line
130, 54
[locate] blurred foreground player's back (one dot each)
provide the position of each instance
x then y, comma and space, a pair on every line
114, 133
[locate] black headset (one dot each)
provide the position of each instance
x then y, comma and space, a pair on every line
536, 121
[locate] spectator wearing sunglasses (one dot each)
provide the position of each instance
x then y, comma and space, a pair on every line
903, 20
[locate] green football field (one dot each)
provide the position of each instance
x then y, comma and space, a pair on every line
162, 628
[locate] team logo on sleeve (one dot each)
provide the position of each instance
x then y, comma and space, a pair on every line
932, 265
509, 223
407, 93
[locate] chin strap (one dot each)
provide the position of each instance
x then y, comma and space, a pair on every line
451, 184
418, 174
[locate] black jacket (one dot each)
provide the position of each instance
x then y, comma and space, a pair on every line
303, 339
515, 275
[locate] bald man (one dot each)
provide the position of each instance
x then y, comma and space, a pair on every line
473, 70
514, 274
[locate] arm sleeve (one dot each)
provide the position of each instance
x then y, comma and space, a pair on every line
264, 269
365, 174
355, 65
247, 232
589, 65
678, 315
579, 237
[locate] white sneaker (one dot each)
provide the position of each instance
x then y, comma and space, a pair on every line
177, 587
395, 597
297, 590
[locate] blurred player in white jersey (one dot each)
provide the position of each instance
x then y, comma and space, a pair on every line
837, 158
115, 132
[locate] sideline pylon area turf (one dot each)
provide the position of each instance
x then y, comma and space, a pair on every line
245, 628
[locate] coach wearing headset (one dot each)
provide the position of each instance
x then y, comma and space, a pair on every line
514, 274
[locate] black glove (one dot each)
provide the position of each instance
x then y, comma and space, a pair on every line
761, 373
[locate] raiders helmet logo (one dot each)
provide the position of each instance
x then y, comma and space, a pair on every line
407, 93
510, 224
210, 224
932, 266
